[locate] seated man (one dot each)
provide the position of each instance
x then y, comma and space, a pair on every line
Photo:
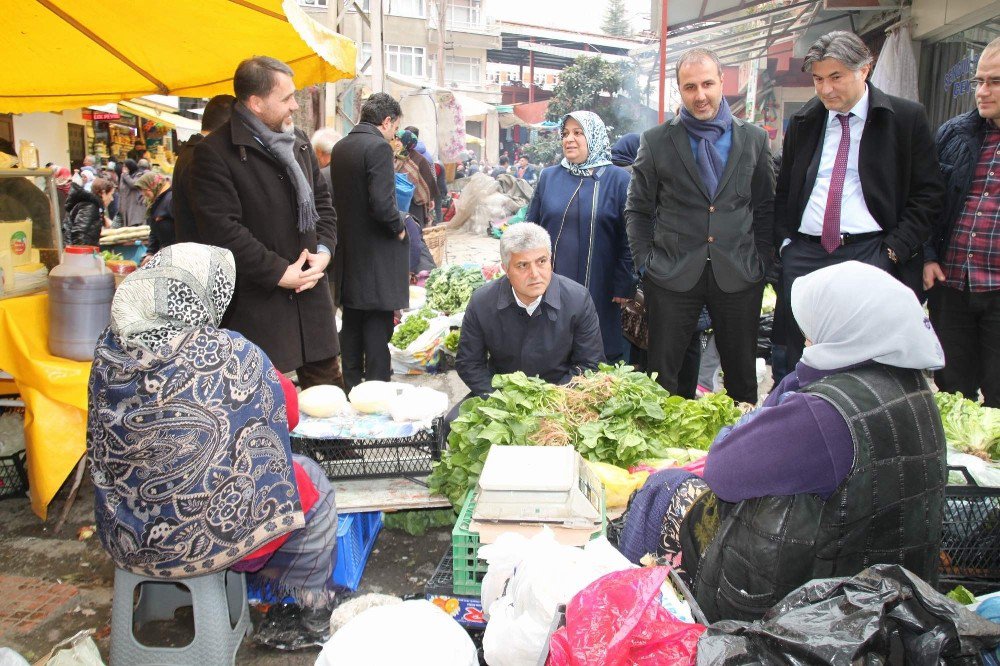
530, 320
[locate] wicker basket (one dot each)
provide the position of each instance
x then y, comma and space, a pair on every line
436, 239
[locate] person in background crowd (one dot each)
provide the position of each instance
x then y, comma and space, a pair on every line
323, 140
530, 320
131, 206
581, 203
857, 178
64, 180
624, 151
408, 161
89, 164
88, 179
501, 168
717, 170
962, 259
155, 188
163, 484
376, 264
472, 168
86, 213
526, 171
256, 189
138, 152
217, 113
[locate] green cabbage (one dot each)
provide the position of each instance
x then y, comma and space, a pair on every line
968, 426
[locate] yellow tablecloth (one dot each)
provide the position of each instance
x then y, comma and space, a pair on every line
54, 392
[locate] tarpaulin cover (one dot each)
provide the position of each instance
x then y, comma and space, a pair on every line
54, 391
617, 621
883, 615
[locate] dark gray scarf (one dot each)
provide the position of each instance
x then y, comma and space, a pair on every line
281, 145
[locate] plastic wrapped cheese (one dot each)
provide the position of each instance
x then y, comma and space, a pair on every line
322, 401
375, 397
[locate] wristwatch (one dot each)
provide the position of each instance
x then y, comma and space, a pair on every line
892, 255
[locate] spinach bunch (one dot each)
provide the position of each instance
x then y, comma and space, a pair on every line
449, 289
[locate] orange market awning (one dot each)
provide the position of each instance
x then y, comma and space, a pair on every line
76, 54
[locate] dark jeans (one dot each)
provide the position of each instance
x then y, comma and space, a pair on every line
968, 326
314, 373
673, 319
364, 346
802, 257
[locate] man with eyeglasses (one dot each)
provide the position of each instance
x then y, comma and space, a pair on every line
962, 259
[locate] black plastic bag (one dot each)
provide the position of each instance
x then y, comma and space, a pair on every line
764, 336
884, 615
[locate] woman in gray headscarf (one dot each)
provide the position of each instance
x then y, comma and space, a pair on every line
188, 440
581, 203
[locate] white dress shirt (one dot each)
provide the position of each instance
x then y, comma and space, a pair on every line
854, 215
530, 307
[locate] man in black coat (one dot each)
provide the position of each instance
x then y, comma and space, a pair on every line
217, 112
373, 235
858, 179
256, 190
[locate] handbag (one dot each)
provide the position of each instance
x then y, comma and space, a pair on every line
635, 322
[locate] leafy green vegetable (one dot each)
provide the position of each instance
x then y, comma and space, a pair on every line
968, 426
451, 340
409, 330
108, 255
418, 521
962, 596
449, 289
769, 301
614, 415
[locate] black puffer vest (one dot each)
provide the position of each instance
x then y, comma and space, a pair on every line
887, 510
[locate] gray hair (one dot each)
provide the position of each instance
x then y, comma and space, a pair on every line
840, 45
255, 76
324, 138
143, 163
697, 54
521, 238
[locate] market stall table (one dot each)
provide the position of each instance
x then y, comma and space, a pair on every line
54, 391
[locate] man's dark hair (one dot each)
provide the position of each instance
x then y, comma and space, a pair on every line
414, 129
217, 112
378, 107
255, 76
504, 161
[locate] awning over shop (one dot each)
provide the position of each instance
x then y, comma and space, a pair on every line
184, 127
193, 50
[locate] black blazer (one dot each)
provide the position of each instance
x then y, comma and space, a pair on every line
899, 174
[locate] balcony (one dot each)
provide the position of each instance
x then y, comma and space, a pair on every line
476, 35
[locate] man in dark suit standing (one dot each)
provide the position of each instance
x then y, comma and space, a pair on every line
699, 221
373, 235
858, 177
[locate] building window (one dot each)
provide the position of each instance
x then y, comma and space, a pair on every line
465, 13
414, 8
459, 69
312, 3
404, 60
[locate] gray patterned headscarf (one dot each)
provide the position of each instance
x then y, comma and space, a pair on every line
598, 144
185, 286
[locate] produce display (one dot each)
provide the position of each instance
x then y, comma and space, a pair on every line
120, 234
615, 415
375, 397
451, 340
108, 255
449, 289
410, 329
968, 426
322, 401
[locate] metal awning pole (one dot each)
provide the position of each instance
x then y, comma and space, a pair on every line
663, 61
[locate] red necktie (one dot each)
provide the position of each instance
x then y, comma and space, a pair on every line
830, 240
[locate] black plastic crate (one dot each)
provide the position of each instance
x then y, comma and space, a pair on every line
375, 458
970, 544
13, 476
440, 591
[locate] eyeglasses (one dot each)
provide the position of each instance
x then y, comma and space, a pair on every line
992, 82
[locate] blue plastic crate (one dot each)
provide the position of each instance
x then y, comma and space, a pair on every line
356, 533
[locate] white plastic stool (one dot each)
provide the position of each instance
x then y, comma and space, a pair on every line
221, 618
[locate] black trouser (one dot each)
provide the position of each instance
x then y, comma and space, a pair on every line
364, 346
314, 373
968, 326
802, 257
673, 318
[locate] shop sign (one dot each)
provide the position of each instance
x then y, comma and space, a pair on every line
100, 115
957, 79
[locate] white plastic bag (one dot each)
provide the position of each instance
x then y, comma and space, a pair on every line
416, 633
419, 403
421, 355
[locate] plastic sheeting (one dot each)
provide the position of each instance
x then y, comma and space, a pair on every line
885, 614
54, 391
896, 70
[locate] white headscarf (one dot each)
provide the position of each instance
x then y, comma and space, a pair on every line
853, 312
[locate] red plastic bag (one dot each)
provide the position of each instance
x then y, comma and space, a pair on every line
618, 621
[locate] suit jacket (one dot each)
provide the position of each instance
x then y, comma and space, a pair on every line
559, 341
899, 175
244, 200
376, 270
675, 227
184, 224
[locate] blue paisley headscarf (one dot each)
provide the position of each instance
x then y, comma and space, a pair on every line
187, 431
598, 144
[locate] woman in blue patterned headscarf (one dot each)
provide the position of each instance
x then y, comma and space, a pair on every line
187, 436
581, 203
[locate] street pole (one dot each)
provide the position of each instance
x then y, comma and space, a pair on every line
330, 89
661, 113
442, 21
378, 47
